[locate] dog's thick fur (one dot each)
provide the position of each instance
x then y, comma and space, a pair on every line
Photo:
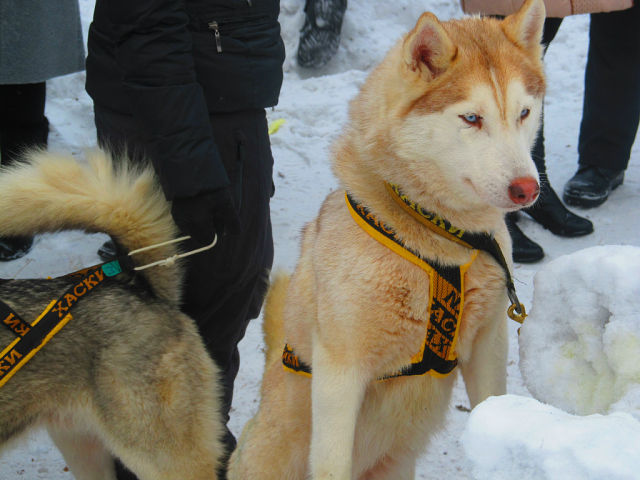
129, 374
353, 309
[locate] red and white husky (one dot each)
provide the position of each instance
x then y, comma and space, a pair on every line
448, 118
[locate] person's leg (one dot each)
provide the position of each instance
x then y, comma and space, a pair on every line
225, 286
611, 108
23, 125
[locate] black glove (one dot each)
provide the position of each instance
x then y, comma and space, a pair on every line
206, 214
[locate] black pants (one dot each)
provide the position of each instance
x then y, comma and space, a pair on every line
225, 286
611, 108
22, 121
611, 104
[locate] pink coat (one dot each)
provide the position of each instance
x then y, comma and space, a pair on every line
555, 8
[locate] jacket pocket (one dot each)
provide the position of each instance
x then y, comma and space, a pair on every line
239, 64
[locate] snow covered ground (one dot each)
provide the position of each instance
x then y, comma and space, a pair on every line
516, 437
314, 106
580, 352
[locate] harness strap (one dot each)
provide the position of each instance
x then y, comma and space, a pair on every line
480, 241
31, 337
292, 362
446, 286
437, 356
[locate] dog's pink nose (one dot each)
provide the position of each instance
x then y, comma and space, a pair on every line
524, 190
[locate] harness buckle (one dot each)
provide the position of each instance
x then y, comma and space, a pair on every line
517, 312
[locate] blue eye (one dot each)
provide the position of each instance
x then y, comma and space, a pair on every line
472, 119
524, 113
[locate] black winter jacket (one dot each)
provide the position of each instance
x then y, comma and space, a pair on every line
171, 63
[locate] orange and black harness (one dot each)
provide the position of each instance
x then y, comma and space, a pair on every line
31, 337
437, 355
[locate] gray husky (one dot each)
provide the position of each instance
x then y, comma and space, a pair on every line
127, 375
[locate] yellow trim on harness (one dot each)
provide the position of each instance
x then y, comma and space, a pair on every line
433, 274
430, 220
437, 355
478, 241
32, 337
451, 352
291, 362
46, 339
387, 242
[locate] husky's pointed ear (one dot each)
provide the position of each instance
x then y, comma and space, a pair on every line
427, 48
524, 27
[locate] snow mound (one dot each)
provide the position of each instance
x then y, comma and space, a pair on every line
511, 437
580, 347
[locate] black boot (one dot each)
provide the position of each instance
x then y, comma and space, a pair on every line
320, 35
591, 186
550, 212
524, 250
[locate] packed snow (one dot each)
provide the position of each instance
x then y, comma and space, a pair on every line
314, 107
579, 354
512, 436
580, 347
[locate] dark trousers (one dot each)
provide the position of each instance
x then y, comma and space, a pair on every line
22, 121
611, 104
225, 286
611, 108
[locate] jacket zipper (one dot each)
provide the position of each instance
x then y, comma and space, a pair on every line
216, 33
213, 25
